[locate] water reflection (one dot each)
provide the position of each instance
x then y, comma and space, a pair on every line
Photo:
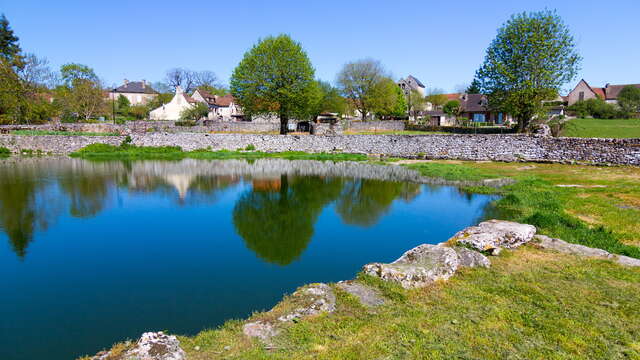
275, 215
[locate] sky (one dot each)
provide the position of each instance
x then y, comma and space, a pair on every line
441, 43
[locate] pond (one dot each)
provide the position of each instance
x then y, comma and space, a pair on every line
92, 253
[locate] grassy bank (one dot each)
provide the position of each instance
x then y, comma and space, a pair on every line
64, 133
132, 152
602, 128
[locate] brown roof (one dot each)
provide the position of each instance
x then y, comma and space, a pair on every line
613, 91
216, 100
474, 103
189, 98
598, 91
455, 96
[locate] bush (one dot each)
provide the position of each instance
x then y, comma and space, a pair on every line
185, 123
250, 147
4, 151
596, 108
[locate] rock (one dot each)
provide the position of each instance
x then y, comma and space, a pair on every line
418, 267
151, 346
542, 130
318, 298
471, 258
260, 329
367, 295
493, 234
562, 246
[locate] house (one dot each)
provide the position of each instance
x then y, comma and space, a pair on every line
137, 92
173, 109
584, 91
474, 107
411, 83
221, 108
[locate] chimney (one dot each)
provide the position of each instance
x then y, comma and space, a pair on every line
126, 82
144, 83
607, 85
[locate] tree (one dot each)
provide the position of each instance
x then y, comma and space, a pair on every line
416, 102
452, 108
35, 72
71, 73
530, 59
475, 87
139, 112
275, 76
9, 47
196, 112
629, 100
122, 105
81, 95
387, 99
189, 80
436, 98
328, 100
359, 81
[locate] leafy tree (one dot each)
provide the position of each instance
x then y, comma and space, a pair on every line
329, 99
475, 87
275, 76
9, 47
416, 102
195, 112
139, 112
596, 108
452, 108
161, 99
629, 100
437, 98
72, 72
530, 59
21, 101
122, 105
81, 95
360, 81
388, 99
219, 90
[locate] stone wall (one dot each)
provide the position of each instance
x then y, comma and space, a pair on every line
379, 125
461, 147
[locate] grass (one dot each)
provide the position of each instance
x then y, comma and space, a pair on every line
602, 128
531, 304
132, 152
65, 133
4, 151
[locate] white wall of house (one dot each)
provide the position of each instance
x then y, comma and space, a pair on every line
134, 98
171, 110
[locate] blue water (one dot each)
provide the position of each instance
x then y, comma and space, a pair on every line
95, 253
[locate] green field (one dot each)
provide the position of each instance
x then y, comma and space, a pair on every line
602, 128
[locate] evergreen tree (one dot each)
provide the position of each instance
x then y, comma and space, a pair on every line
474, 88
9, 48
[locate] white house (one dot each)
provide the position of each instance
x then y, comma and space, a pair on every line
137, 92
222, 108
172, 110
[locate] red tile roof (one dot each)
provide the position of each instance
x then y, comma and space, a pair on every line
599, 92
455, 96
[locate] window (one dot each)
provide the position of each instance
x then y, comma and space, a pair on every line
478, 117
581, 96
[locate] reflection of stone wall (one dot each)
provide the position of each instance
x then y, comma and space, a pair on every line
462, 147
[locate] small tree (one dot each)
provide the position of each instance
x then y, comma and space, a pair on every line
629, 100
416, 102
195, 112
437, 98
530, 59
275, 76
82, 94
388, 99
359, 81
452, 108
329, 100
139, 112
122, 105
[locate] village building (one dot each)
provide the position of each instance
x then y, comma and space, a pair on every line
474, 107
583, 91
174, 108
411, 83
137, 92
221, 108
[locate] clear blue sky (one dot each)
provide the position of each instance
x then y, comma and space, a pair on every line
440, 42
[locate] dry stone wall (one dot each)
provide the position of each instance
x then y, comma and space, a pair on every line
460, 147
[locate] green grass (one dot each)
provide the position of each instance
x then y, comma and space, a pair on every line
451, 171
132, 152
602, 128
4, 151
65, 133
531, 304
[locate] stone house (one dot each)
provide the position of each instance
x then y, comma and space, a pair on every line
221, 108
173, 109
137, 92
584, 91
411, 83
474, 107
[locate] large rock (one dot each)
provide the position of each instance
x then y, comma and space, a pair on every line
492, 235
151, 346
471, 258
260, 329
418, 267
562, 246
367, 295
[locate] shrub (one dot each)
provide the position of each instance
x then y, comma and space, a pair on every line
185, 123
4, 151
250, 147
596, 108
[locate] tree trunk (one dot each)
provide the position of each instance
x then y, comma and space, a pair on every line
284, 124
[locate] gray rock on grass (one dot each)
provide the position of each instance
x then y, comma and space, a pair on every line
471, 258
151, 346
367, 295
562, 246
492, 235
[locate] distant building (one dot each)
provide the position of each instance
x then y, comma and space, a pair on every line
137, 92
474, 107
173, 109
222, 108
411, 83
584, 91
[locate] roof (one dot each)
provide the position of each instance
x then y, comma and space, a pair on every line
215, 100
189, 98
474, 103
411, 77
612, 91
137, 87
598, 91
455, 96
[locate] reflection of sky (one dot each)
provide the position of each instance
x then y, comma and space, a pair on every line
148, 262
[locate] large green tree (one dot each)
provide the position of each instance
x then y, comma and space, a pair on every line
9, 47
275, 77
360, 81
81, 95
329, 99
388, 99
528, 62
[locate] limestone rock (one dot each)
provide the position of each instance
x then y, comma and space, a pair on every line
495, 234
418, 267
471, 258
317, 298
367, 295
260, 329
562, 246
151, 346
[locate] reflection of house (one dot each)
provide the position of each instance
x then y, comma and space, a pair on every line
411, 83
223, 108
474, 107
181, 182
264, 184
137, 92
172, 110
584, 91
